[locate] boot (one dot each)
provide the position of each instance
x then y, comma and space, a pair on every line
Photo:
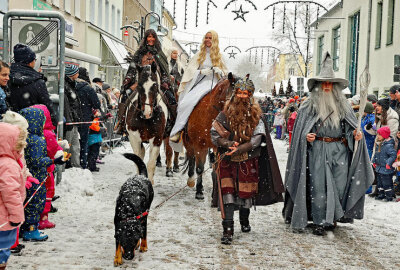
244, 219
319, 230
177, 137
53, 209
227, 235
44, 222
32, 234
120, 128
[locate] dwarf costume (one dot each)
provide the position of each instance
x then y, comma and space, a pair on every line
250, 176
325, 180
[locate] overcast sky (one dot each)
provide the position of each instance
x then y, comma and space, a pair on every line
255, 31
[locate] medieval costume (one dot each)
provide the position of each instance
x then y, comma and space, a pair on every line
146, 54
199, 79
326, 178
175, 70
248, 171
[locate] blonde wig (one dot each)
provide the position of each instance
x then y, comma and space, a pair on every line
216, 57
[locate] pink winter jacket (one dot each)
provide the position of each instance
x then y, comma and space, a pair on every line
12, 181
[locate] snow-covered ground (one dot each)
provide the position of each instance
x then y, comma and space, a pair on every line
185, 233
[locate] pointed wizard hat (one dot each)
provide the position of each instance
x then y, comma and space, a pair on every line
327, 75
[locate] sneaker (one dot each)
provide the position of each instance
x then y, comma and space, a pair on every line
17, 251
46, 224
55, 197
98, 161
380, 197
389, 199
319, 230
34, 235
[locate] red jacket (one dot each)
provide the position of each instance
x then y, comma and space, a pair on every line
291, 120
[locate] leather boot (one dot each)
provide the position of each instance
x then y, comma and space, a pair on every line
120, 128
176, 138
227, 234
244, 219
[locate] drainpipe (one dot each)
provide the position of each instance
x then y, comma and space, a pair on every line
369, 31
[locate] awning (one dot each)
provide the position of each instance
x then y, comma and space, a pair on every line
118, 50
82, 56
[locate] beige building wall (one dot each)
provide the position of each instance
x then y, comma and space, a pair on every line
381, 59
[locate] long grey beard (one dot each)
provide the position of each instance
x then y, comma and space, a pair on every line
332, 103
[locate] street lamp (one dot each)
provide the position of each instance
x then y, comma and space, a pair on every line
140, 27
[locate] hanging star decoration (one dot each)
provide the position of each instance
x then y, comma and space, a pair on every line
232, 54
240, 13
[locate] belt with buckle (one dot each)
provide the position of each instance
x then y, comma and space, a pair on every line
329, 140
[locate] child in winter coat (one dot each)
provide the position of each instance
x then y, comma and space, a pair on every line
12, 186
16, 119
385, 155
53, 151
290, 124
94, 142
37, 162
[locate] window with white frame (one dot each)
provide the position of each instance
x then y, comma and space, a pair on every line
336, 47
390, 23
113, 20
77, 8
378, 31
4, 5
118, 23
100, 14
67, 6
291, 71
91, 11
320, 50
107, 15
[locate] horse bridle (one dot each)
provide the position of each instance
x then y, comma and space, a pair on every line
155, 103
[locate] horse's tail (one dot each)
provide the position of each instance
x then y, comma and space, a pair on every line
139, 163
185, 165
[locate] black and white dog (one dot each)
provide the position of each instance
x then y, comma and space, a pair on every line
130, 220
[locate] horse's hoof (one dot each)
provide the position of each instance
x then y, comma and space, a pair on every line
169, 173
158, 164
176, 169
191, 182
199, 196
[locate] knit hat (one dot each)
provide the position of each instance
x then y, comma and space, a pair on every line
15, 119
95, 80
384, 132
384, 103
372, 98
106, 86
71, 70
23, 54
369, 108
291, 100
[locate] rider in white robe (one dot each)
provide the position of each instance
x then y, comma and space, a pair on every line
197, 81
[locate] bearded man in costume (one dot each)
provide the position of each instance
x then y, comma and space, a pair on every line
248, 172
326, 177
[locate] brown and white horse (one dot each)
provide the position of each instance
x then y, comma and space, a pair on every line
197, 138
146, 117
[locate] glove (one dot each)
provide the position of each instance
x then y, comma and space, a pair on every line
206, 71
29, 181
218, 71
59, 161
374, 126
15, 224
374, 165
64, 144
368, 126
388, 167
396, 164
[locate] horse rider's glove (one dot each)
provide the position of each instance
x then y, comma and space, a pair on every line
206, 71
218, 71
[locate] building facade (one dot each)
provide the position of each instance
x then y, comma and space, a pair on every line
345, 35
285, 67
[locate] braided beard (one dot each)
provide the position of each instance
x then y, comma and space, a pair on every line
243, 117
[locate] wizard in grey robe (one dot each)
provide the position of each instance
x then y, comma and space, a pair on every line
326, 178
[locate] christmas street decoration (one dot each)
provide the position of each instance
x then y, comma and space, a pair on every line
271, 52
232, 53
240, 12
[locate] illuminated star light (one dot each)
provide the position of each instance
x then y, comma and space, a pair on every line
241, 15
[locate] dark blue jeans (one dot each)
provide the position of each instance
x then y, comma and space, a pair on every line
94, 150
83, 130
385, 185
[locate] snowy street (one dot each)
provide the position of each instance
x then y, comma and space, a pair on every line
185, 233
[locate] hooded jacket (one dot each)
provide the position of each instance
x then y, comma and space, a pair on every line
36, 150
12, 180
27, 87
386, 156
72, 104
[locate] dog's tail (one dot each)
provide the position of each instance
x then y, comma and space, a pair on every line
139, 163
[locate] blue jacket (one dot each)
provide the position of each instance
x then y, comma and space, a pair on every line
387, 155
369, 139
36, 150
3, 104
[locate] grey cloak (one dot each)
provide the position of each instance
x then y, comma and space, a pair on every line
296, 209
